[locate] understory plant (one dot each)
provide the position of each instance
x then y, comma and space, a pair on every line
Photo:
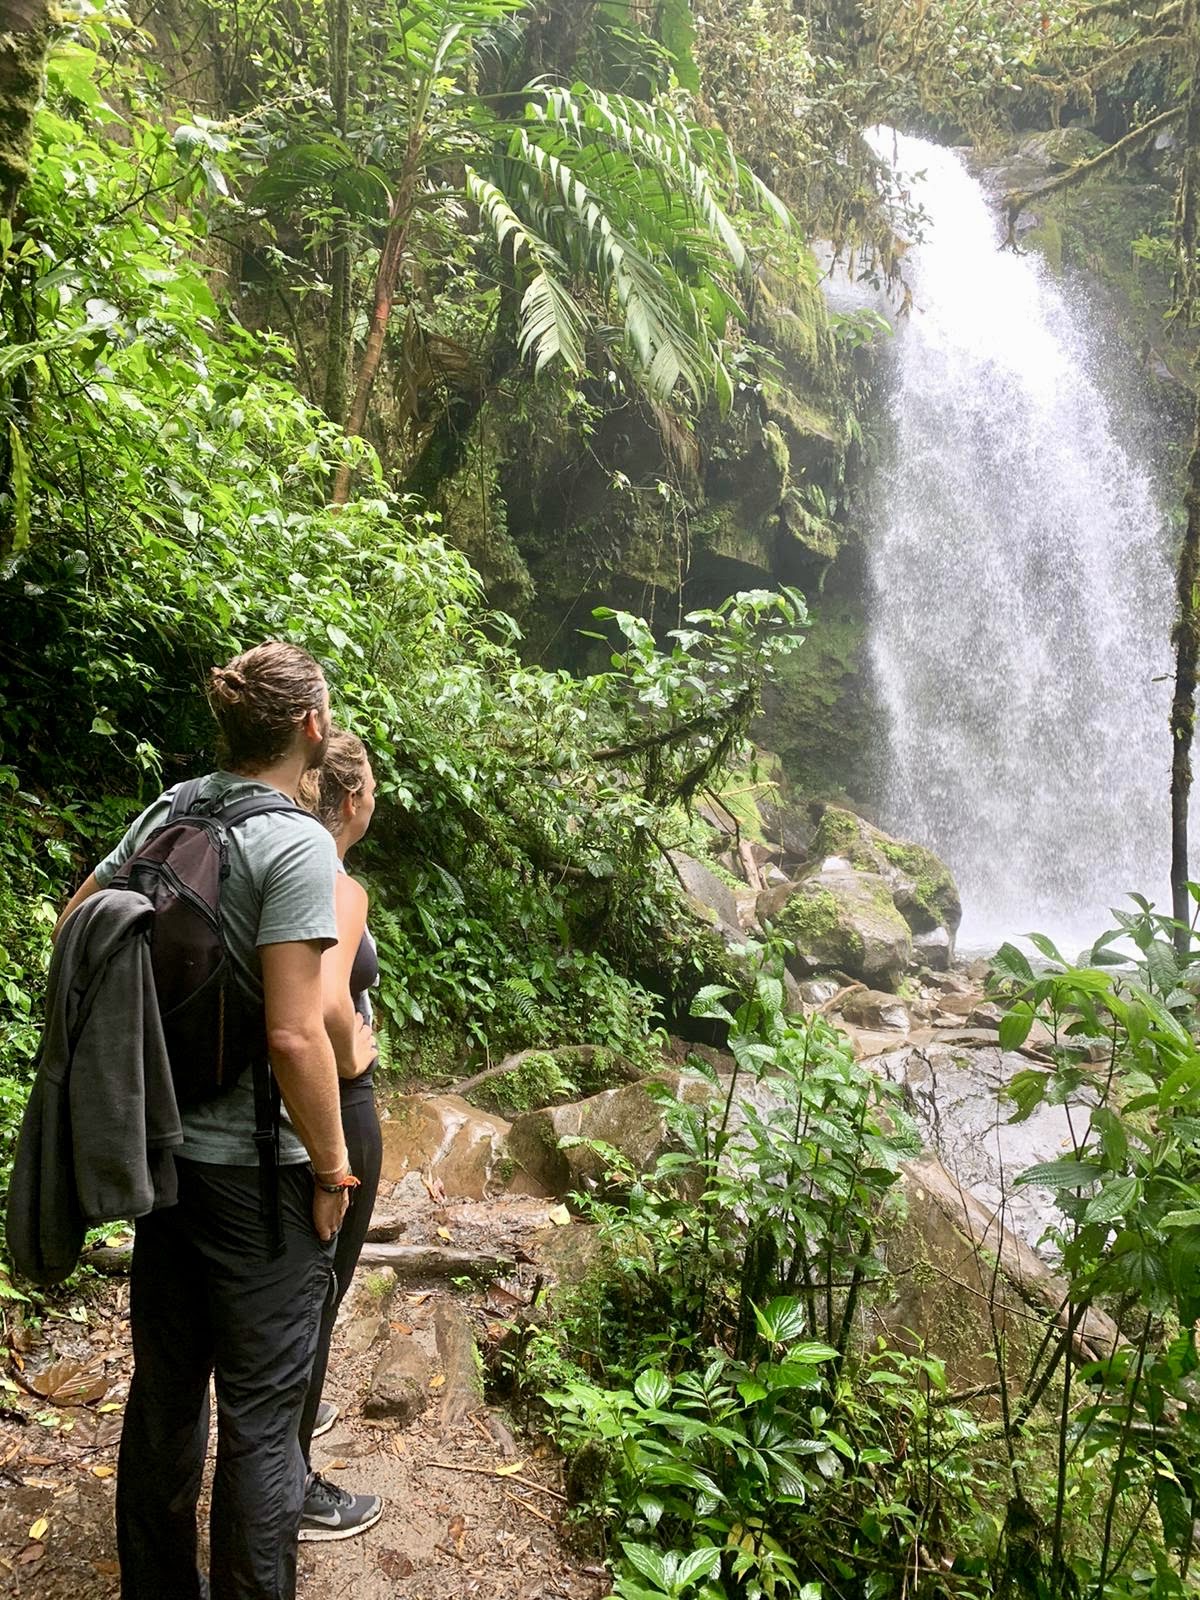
735, 1426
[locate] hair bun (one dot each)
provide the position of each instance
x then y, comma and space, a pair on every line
228, 684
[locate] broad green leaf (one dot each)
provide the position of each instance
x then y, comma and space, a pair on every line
1009, 962
1047, 947
1114, 1200
652, 1388
781, 1321
1189, 1218
1065, 1174
648, 1562
699, 1564
1015, 1026
22, 489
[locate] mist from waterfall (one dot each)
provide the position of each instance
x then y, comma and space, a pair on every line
1020, 590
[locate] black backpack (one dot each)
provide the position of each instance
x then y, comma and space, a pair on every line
214, 1029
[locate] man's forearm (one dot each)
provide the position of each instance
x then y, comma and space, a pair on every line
306, 1072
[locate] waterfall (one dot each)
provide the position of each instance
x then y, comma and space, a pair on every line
1020, 590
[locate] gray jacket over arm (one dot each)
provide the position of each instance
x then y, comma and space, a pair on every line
98, 1133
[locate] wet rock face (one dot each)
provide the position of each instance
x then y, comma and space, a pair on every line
712, 894
877, 1010
955, 1095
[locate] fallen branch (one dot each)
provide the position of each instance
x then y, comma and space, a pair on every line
532, 1509
835, 1000
500, 1477
566, 1055
750, 866
1082, 171
434, 1261
111, 1259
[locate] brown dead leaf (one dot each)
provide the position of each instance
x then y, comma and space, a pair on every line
107, 1569
437, 1380
335, 1466
30, 1554
399, 1327
457, 1532
393, 1564
502, 1302
70, 1383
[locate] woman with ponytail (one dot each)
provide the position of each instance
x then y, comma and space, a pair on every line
341, 792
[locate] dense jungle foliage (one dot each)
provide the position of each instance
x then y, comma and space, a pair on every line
353, 322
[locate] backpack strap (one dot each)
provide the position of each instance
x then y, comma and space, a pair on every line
260, 806
184, 798
267, 1100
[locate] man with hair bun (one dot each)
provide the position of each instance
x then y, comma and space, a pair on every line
211, 1292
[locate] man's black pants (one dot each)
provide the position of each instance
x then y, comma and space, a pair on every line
207, 1296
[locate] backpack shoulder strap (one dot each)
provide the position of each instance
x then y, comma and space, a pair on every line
184, 798
261, 806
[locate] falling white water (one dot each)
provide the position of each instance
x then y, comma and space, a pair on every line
1021, 594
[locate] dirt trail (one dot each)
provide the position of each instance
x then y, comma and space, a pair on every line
468, 1511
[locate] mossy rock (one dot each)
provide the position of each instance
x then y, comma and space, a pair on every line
845, 921
921, 886
1057, 148
819, 714
537, 1078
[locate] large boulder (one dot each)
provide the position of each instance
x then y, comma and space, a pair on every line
630, 1120
713, 897
841, 920
450, 1142
921, 886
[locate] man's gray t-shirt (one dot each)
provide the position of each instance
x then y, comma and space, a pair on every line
279, 891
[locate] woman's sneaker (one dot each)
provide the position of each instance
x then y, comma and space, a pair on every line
332, 1513
327, 1415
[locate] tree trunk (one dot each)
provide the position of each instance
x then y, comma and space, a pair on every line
1183, 706
1187, 625
386, 281
337, 349
24, 40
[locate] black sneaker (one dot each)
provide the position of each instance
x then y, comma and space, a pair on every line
332, 1513
327, 1415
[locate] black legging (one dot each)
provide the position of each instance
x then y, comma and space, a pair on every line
364, 1142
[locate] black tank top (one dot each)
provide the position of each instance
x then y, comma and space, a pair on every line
364, 975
